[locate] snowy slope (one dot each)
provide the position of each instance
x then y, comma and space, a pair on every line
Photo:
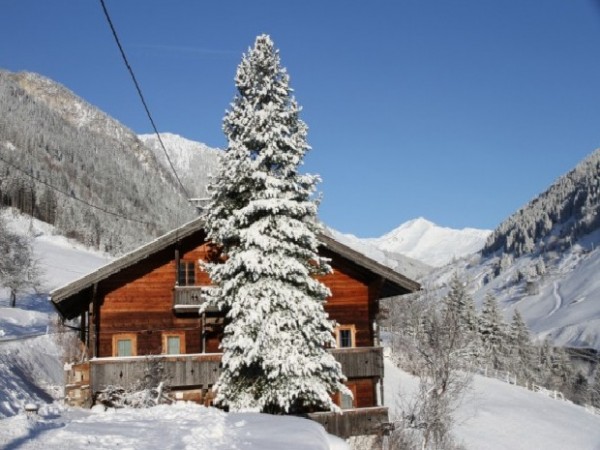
194, 161
30, 359
495, 415
427, 242
562, 304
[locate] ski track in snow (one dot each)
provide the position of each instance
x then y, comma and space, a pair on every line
558, 299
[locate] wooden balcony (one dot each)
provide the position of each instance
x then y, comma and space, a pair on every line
203, 369
197, 370
360, 362
188, 298
353, 422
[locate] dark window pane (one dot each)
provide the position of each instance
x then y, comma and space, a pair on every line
345, 338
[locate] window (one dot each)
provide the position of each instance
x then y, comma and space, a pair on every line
345, 336
125, 344
187, 273
173, 343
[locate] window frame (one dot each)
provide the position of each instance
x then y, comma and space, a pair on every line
123, 337
184, 268
165, 342
338, 335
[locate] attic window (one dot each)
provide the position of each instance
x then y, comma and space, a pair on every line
345, 336
187, 273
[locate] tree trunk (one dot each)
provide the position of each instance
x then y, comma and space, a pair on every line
13, 298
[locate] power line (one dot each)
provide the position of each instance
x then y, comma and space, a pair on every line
139, 91
77, 199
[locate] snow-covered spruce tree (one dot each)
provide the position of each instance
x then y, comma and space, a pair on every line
522, 352
262, 216
493, 334
460, 306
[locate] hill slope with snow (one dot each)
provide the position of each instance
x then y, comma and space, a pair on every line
495, 415
544, 261
194, 161
88, 158
558, 298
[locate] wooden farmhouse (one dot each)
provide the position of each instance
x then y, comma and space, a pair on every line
144, 307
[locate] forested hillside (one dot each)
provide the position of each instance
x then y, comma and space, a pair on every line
51, 138
556, 218
194, 162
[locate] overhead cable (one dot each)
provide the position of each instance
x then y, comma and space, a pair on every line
72, 196
141, 95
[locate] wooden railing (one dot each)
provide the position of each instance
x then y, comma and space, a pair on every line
199, 370
353, 422
203, 369
360, 362
189, 298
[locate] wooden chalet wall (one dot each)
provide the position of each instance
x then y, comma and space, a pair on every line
353, 297
139, 300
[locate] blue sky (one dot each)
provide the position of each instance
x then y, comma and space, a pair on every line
458, 111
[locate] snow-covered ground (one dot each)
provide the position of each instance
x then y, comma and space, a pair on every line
179, 426
495, 415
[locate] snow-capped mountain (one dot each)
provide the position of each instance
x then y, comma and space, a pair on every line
425, 241
405, 265
194, 161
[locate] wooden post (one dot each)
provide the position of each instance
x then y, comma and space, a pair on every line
82, 326
94, 323
177, 267
203, 332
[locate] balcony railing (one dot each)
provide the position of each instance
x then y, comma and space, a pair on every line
360, 362
197, 370
203, 369
189, 298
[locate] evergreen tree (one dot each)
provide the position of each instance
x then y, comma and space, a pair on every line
522, 356
492, 332
460, 309
595, 388
262, 216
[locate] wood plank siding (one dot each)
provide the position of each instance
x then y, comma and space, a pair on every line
362, 366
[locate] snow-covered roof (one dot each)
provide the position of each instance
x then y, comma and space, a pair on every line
395, 281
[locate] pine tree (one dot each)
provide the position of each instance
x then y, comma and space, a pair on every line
262, 216
460, 308
595, 388
521, 350
492, 331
